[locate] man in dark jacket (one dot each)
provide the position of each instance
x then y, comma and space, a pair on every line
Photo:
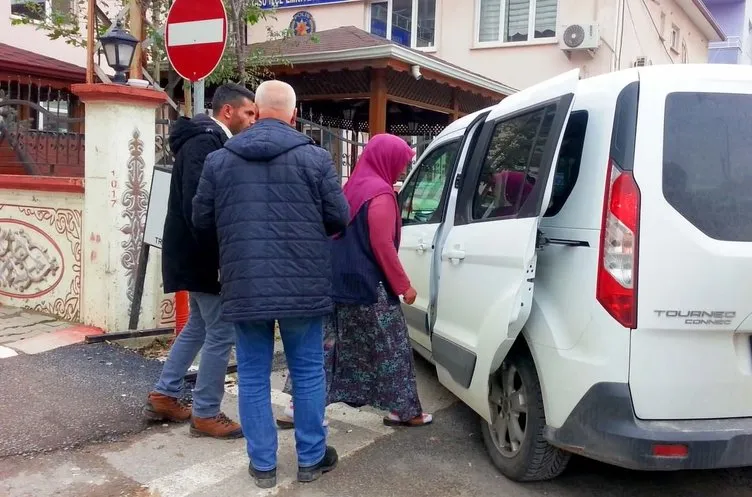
273, 198
190, 262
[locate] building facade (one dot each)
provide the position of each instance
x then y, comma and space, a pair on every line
519, 42
735, 18
28, 37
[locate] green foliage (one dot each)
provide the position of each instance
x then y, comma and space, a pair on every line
240, 63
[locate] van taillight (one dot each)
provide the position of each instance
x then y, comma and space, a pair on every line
617, 269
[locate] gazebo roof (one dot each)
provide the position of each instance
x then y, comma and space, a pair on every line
23, 64
349, 44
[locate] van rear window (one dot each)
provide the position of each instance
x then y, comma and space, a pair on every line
707, 162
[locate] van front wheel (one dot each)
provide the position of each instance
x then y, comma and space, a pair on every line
515, 440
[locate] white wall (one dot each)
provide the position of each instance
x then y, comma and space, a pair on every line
43, 269
28, 37
524, 63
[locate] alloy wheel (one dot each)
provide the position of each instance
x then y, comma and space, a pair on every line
509, 400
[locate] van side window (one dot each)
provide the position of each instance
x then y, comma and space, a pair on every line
422, 197
568, 166
510, 169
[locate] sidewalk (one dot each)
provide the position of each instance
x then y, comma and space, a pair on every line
59, 403
28, 332
72, 422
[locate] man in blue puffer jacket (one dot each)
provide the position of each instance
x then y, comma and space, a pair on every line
273, 199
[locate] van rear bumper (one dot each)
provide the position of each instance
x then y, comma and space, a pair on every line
603, 426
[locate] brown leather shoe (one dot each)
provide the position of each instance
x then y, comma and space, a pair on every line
162, 407
220, 426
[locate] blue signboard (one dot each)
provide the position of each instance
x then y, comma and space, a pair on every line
401, 36
288, 4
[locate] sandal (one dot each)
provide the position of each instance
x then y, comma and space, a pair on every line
287, 420
393, 420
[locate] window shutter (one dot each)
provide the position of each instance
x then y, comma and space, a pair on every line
545, 18
518, 17
62, 6
490, 20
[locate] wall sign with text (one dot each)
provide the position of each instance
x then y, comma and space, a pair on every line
288, 4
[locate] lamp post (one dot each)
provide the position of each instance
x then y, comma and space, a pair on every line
119, 46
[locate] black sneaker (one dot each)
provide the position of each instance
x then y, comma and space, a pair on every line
313, 473
263, 479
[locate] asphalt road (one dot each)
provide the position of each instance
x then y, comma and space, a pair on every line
448, 460
71, 396
68, 398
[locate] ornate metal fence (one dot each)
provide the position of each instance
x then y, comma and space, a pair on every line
164, 156
344, 146
347, 146
40, 131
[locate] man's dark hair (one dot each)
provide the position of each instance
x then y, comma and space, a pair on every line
231, 94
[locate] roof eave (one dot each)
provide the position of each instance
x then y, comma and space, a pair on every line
57, 74
404, 55
703, 18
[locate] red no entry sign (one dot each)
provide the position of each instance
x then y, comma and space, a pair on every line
195, 37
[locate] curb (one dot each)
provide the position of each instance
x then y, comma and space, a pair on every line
53, 340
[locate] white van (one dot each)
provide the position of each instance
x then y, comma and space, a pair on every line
582, 254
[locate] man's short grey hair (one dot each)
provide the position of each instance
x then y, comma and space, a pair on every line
276, 95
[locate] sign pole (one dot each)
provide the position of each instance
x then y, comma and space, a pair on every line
195, 40
198, 98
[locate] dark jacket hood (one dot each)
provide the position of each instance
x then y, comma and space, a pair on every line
266, 140
186, 128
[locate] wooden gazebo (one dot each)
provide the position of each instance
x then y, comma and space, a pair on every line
350, 79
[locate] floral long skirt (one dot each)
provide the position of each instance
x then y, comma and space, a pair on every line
369, 360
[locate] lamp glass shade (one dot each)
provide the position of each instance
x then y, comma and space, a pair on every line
110, 53
125, 53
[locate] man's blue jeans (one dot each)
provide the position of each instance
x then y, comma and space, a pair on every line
205, 328
303, 340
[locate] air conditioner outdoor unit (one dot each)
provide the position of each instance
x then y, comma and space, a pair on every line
580, 37
642, 61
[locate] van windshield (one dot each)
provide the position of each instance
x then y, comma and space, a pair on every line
707, 162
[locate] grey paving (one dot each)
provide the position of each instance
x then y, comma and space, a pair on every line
19, 324
163, 460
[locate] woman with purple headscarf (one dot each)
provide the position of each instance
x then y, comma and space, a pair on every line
368, 356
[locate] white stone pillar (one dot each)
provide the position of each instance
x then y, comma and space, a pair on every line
120, 156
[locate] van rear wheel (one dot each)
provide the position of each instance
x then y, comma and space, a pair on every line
514, 439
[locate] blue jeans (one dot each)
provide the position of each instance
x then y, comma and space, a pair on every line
303, 340
205, 328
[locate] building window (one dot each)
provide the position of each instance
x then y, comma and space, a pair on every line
412, 23
39, 9
675, 37
684, 53
56, 117
516, 20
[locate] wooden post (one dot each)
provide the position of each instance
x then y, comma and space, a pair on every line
137, 20
91, 21
156, 6
455, 114
378, 102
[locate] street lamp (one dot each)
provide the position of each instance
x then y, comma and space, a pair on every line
119, 46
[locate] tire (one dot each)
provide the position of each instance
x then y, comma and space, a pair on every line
531, 458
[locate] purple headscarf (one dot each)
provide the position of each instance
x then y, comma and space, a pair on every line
384, 159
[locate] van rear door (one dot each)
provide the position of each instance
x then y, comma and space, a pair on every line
690, 352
